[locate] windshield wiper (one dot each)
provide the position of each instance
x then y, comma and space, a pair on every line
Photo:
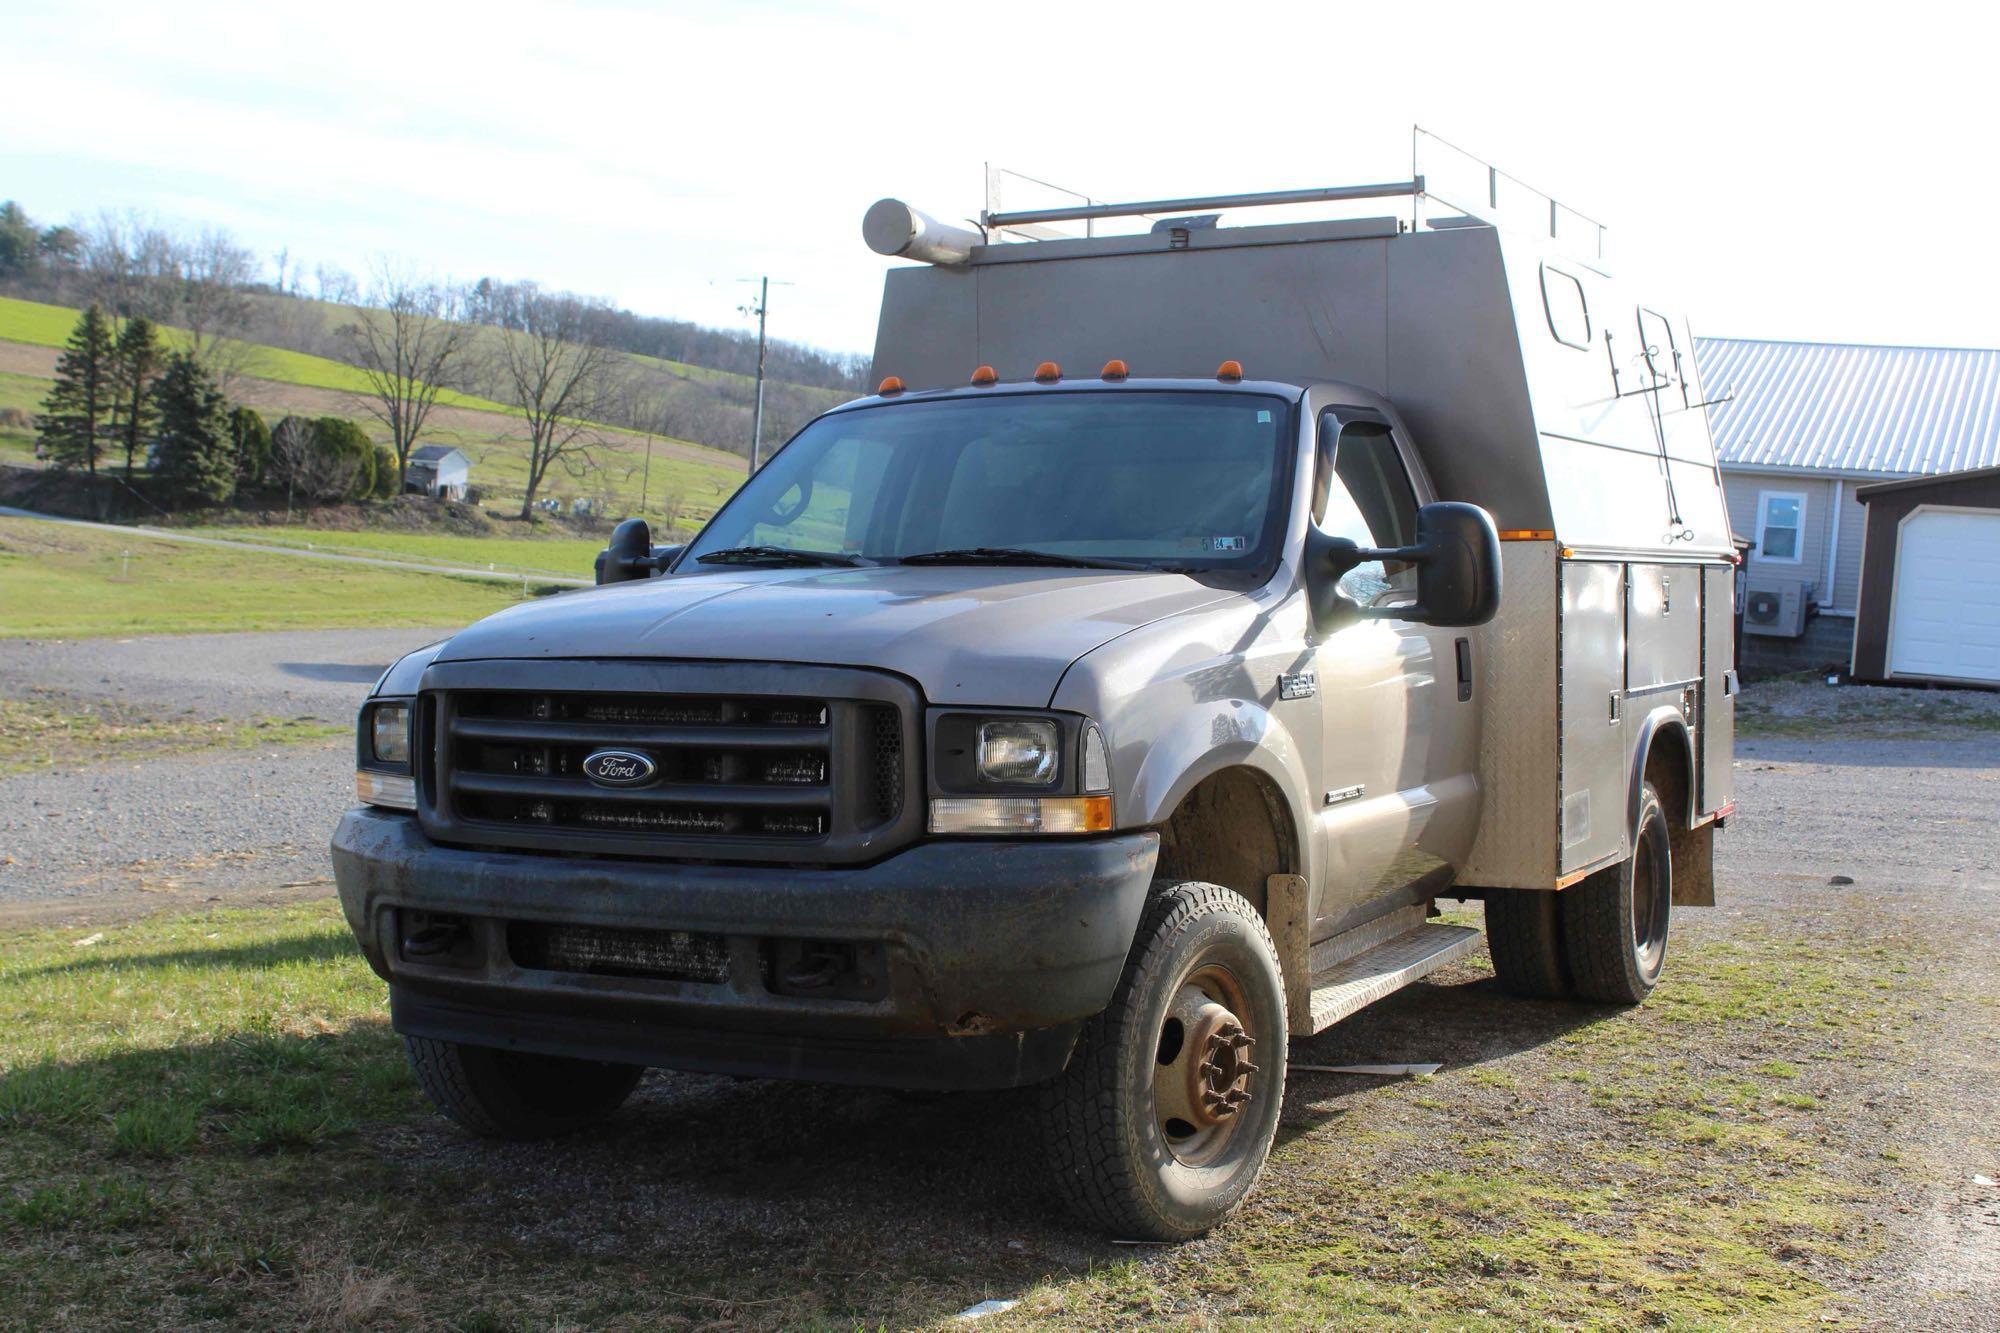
774, 555
1018, 555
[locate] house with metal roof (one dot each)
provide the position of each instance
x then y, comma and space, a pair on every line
1802, 426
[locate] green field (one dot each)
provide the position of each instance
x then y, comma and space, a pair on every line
567, 557
58, 580
50, 326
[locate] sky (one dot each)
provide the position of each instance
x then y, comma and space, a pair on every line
1773, 170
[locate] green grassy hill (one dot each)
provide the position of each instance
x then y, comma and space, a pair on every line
682, 485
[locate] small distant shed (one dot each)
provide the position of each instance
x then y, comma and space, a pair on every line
438, 471
1930, 580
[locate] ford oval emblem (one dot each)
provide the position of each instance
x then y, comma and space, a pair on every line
619, 768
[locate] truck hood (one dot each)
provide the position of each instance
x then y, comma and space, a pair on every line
966, 635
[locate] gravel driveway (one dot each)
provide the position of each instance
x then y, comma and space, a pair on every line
194, 825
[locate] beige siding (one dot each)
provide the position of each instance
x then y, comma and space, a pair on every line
1853, 521
1743, 491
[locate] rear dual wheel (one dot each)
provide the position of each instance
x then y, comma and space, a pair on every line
1602, 939
1163, 1119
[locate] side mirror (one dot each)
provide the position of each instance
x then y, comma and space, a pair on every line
1457, 555
632, 555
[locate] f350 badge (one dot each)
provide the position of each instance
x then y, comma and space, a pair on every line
1303, 685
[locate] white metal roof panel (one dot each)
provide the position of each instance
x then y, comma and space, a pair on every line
1844, 407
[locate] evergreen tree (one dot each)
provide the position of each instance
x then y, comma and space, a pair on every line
135, 365
17, 239
77, 410
250, 439
197, 461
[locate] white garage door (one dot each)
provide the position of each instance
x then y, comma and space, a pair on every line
1946, 620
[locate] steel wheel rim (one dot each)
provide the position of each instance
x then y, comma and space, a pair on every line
1649, 906
1202, 1066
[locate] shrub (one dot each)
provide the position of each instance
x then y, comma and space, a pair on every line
250, 439
386, 472
345, 457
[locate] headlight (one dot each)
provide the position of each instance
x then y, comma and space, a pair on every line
389, 733
1019, 751
1017, 773
383, 776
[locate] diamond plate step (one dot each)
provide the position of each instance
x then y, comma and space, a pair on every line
1386, 969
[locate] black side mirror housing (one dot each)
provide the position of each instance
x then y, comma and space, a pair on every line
1457, 555
632, 555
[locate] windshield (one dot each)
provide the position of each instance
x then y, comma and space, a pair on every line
1153, 479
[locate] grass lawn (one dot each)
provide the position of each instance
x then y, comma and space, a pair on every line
568, 557
206, 1117
48, 731
61, 581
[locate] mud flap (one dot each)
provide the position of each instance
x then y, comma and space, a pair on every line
1693, 852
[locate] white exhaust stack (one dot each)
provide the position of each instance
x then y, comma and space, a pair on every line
892, 227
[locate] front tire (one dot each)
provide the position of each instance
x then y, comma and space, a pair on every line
1615, 922
514, 1094
1162, 1121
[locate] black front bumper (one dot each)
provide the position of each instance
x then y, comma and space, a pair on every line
992, 953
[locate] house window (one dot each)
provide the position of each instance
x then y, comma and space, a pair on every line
1781, 522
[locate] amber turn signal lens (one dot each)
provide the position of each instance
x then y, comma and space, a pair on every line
1114, 369
889, 385
985, 377
1047, 373
1229, 370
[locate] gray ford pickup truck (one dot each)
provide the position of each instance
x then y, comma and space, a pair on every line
1107, 700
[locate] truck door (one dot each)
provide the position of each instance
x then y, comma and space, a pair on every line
1399, 798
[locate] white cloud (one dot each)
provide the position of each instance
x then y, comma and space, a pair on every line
1784, 172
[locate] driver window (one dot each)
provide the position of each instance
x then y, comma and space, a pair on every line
822, 511
1361, 491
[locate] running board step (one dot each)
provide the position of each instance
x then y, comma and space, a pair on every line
1386, 969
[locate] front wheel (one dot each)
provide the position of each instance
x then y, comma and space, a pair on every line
1163, 1119
516, 1095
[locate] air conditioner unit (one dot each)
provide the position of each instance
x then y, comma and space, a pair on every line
1778, 610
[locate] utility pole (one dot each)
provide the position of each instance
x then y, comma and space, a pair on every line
757, 417
646, 477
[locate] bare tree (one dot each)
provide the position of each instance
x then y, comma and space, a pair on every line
335, 285
409, 346
201, 285
557, 372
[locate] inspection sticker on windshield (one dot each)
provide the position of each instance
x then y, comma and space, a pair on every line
1263, 416
1227, 543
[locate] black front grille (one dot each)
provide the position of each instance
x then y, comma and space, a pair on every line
662, 955
730, 774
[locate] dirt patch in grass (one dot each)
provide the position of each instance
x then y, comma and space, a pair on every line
1810, 709
50, 730
206, 1117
